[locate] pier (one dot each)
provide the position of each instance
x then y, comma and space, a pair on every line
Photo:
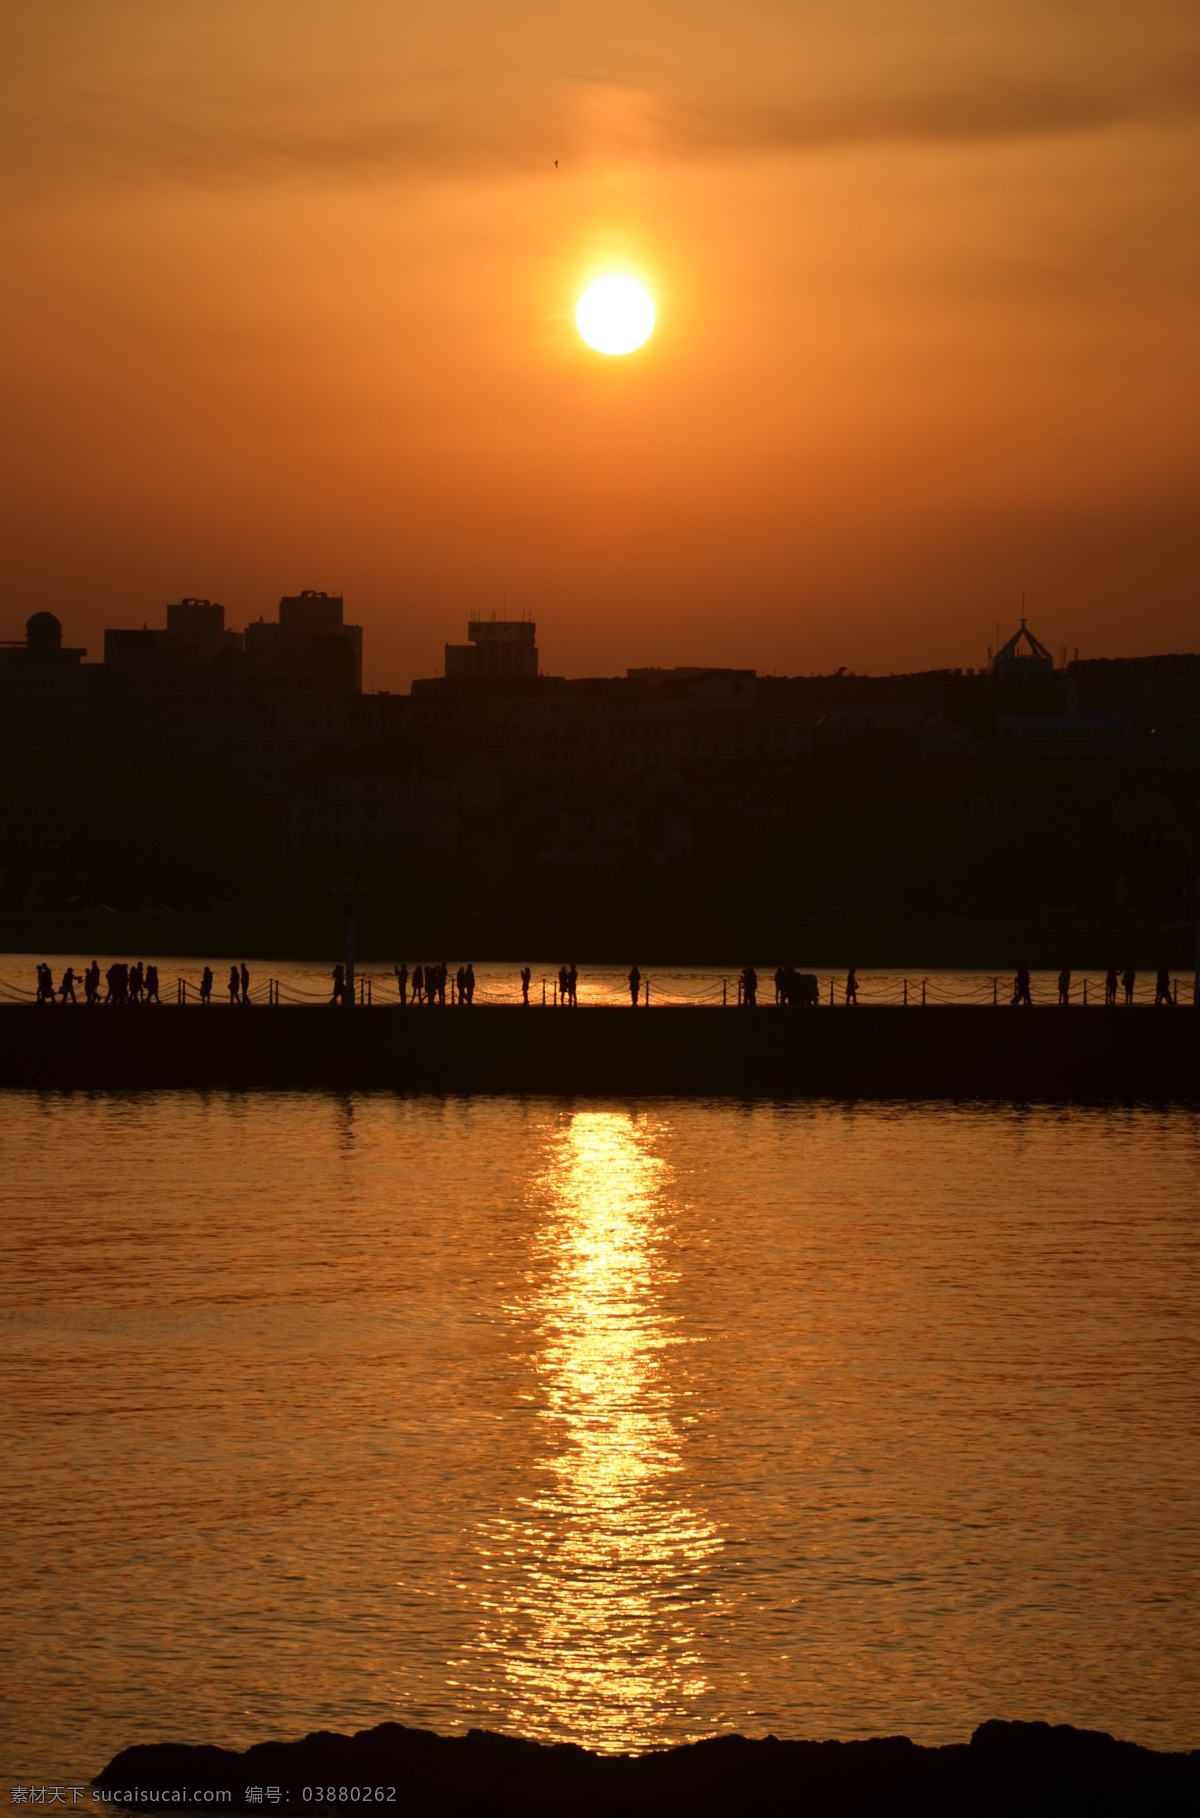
940, 1051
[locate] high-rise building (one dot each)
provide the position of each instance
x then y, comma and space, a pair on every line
311, 640
497, 647
197, 625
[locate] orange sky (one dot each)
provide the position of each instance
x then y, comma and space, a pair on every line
288, 301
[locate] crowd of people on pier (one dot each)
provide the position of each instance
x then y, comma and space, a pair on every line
1163, 994
128, 984
138, 983
429, 984
124, 984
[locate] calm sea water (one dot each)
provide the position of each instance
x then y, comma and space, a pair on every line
626, 1424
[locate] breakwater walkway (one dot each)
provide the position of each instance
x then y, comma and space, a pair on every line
944, 1051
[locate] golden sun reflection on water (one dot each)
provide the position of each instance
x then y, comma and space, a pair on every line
595, 1575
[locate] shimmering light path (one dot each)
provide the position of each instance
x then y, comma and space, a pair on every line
596, 1422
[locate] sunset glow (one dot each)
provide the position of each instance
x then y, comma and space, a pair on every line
931, 342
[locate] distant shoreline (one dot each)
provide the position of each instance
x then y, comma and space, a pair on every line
1005, 1767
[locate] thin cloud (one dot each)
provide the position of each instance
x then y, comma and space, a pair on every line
227, 108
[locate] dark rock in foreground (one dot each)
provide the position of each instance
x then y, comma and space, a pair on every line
1006, 1767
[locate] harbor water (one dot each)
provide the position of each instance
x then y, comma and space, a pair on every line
613, 1422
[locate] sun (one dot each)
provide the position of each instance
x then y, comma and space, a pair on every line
615, 315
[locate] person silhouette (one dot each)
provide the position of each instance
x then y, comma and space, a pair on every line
245, 983
235, 985
1110, 986
1021, 992
1064, 986
749, 987
526, 975
443, 973
91, 983
152, 996
469, 983
1162, 987
67, 988
635, 981
573, 985
135, 983
852, 987
460, 980
339, 983
206, 985
45, 984
563, 977
1128, 980
418, 984
401, 972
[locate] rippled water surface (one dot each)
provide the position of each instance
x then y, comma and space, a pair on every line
618, 1423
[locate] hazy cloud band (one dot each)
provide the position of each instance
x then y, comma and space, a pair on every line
215, 96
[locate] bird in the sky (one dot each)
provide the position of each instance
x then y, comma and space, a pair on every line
556, 164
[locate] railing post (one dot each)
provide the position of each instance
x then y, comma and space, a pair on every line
543, 994
831, 994
647, 994
906, 994
924, 982
1085, 994
995, 991
724, 993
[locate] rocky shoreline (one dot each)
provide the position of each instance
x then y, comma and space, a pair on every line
1005, 1768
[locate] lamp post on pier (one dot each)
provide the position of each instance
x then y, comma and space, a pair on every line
350, 893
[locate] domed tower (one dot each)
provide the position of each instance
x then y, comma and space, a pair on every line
43, 633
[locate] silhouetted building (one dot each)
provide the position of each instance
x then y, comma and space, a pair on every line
686, 786
373, 804
126, 649
198, 626
1158, 693
44, 698
1024, 661
310, 642
496, 647
195, 633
